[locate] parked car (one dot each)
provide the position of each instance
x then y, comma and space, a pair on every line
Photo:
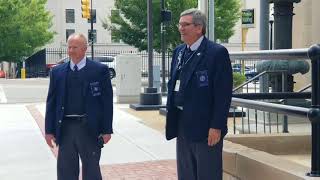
109, 61
237, 68
2, 74
106, 60
249, 72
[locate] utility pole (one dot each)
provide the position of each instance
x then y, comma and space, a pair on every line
87, 13
264, 25
91, 32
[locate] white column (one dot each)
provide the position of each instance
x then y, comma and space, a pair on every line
203, 5
211, 20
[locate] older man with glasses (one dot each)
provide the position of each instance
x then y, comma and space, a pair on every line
199, 96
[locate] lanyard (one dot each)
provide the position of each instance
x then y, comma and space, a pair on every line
182, 63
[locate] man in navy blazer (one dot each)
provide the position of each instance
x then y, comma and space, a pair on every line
199, 96
79, 112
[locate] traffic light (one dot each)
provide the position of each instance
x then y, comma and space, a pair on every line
166, 16
85, 9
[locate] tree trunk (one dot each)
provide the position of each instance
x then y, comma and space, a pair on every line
10, 69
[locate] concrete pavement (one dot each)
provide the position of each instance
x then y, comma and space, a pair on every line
138, 149
134, 152
24, 153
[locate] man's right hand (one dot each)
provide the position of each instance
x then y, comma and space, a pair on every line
50, 139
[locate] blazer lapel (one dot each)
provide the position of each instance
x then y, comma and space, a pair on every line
86, 77
64, 73
196, 59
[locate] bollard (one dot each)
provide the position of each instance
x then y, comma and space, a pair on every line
23, 73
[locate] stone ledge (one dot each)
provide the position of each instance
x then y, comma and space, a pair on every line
278, 144
250, 164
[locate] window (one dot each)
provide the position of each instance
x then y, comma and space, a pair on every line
94, 36
69, 15
94, 16
69, 32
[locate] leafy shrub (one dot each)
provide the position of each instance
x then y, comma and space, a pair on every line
238, 79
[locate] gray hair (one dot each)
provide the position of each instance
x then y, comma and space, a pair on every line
78, 35
198, 18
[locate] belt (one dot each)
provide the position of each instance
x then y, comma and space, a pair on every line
75, 117
180, 107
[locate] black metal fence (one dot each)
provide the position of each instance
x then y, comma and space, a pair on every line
54, 55
311, 113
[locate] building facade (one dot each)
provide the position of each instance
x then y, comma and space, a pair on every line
305, 32
68, 19
306, 24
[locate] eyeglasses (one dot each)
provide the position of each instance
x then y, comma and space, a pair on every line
184, 24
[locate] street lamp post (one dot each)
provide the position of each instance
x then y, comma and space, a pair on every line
150, 96
271, 33
150, 45
163, 49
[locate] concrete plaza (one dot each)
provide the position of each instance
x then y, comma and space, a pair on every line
135, 151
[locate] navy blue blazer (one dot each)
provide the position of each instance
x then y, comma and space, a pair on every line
98, 107
207, 92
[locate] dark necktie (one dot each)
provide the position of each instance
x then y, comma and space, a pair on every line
75, 68
187, 55
189, 50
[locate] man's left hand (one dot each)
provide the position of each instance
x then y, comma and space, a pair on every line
214, 136
106, 138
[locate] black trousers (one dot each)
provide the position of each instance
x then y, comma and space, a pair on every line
198, 161
76, 142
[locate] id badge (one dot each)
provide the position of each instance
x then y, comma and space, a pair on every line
177, 86
95, 88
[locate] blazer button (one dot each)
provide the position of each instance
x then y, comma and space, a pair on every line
62, 108
60, 121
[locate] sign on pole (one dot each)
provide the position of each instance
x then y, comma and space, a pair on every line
248, 19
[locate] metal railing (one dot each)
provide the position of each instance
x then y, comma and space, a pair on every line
313, 113
256, 78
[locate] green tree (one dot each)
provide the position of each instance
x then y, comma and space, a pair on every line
25, 27
227, 13
128, 22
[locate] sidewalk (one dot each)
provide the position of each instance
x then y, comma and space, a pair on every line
24, 153
134, 152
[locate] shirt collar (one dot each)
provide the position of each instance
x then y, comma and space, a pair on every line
196, 44
80, 65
